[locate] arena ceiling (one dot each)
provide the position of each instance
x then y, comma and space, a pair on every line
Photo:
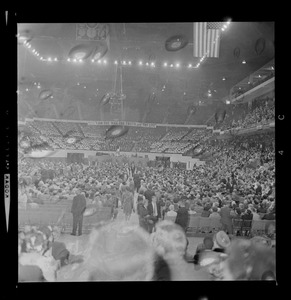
83, 84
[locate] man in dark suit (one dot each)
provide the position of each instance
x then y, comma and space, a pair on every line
226, 218
136, 180
182, 218
78, 208
152, 209
142, 212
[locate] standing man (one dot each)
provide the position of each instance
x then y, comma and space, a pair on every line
142, 212
182, 218
153, 212
226, 218
78, 208
137, 180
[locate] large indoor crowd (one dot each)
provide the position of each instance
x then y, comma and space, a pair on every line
240, 177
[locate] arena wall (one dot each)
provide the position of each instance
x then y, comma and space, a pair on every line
190, 162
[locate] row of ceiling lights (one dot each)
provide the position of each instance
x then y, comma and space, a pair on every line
116, 62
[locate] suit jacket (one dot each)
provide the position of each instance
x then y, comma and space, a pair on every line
182, 217
225, 215
148, 194
150, 210
205, 213
79, 205
142, 213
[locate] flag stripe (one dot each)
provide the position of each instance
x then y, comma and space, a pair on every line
205, 39
195, 31
211, 42
208, 45
215, 45
200, 40
218, 43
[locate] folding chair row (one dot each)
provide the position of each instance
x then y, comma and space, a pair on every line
259, 227
204, 225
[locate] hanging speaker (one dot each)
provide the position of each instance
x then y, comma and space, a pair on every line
105, 99
176, 43
45, 94
72, 140
116, 131
99, 51
81, 51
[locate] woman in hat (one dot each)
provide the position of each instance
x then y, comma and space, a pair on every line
221, 241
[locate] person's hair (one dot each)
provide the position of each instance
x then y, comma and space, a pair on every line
208, 242
139, 198
171, 207
192, 207
214, 209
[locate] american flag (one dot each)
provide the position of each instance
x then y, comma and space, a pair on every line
206, 39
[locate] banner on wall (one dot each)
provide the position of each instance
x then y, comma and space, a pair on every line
123, 123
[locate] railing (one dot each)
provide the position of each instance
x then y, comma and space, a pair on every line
50, 213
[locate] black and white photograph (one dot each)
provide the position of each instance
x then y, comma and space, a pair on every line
146, 151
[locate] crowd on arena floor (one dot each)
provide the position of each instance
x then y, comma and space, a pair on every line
238, 181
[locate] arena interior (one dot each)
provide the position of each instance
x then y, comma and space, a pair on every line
146, 151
